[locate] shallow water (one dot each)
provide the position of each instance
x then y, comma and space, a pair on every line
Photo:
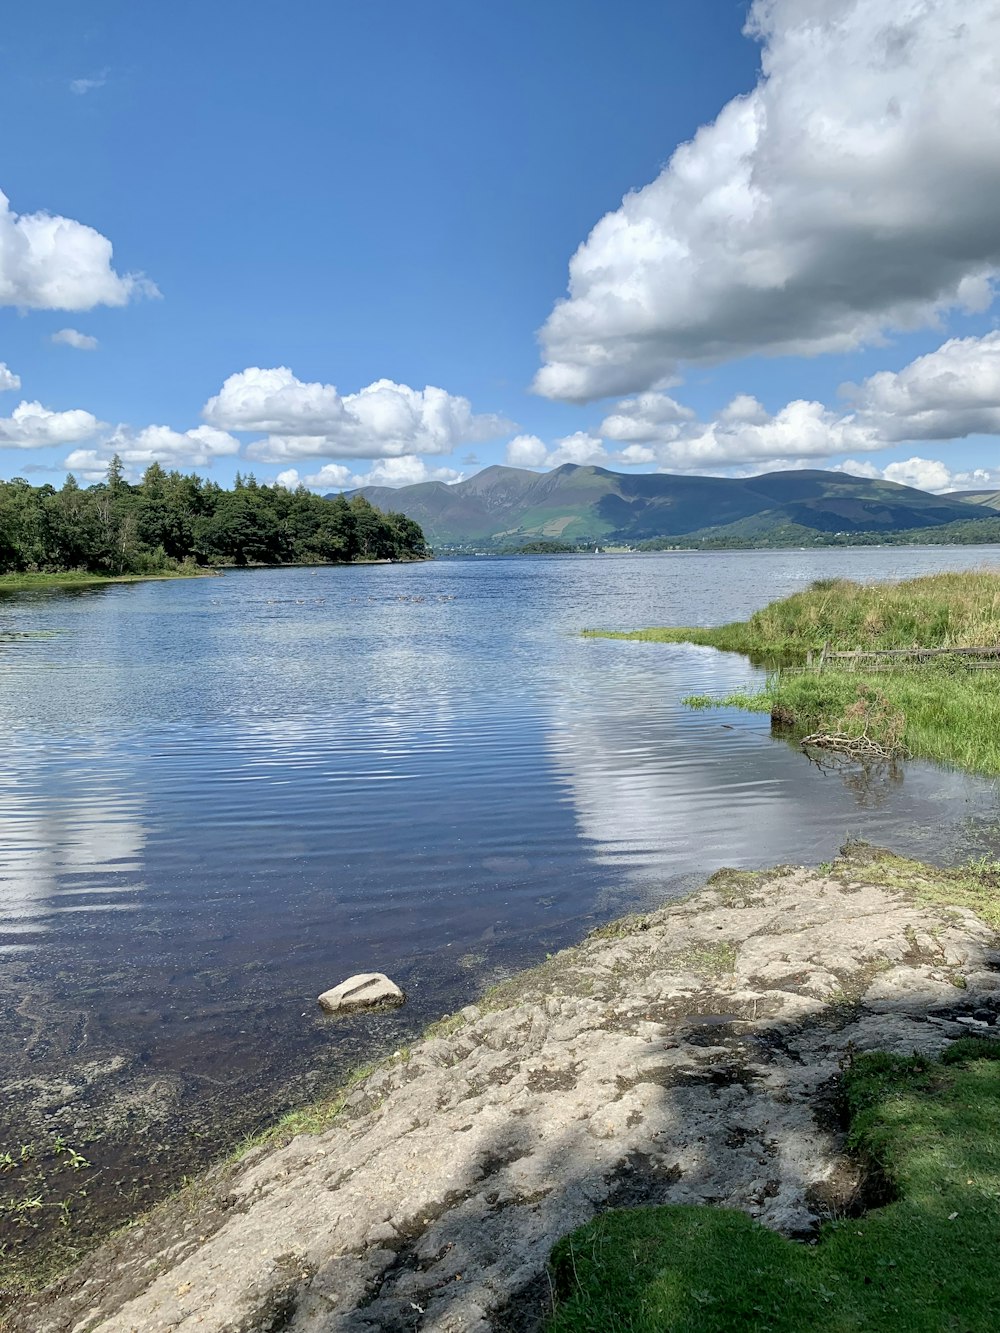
219, 797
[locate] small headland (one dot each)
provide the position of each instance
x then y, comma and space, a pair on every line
172, 523
941, 703
770, 1045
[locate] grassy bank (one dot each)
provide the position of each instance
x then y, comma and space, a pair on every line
78, 578
943, 710
920, 1264
937, 611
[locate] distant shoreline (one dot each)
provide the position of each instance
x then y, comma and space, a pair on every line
79, 579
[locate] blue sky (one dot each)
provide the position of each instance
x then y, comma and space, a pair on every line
393, 192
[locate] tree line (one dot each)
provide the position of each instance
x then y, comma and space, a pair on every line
170, 519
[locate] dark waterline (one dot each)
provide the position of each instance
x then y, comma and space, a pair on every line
219, 797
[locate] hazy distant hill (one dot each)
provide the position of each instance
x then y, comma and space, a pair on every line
504, 504
986, 499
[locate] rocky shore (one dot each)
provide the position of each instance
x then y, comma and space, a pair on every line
688, 1056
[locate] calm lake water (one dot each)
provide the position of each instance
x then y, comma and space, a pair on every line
219, 797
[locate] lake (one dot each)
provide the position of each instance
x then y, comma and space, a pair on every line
219, 797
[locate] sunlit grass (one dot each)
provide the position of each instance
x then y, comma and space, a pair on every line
944, 710
759, 702
78, 578
923, 1263
936, 611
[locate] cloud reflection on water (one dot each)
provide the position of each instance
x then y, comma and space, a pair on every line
72, 838
665, 794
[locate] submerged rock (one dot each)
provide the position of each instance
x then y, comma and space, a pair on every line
367, 990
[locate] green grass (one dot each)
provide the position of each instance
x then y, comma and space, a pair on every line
937, 611
941, 710
944, 712
711, 960
750, 703
313, 1117
922, 1264
78, 578
974, 885
949, 715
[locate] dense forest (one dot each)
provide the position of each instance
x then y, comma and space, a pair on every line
170, 519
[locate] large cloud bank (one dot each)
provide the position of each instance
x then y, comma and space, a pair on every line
948, 394
855, 190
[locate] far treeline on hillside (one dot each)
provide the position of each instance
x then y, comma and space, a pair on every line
504, 508
171, 520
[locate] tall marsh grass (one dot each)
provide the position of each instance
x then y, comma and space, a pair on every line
945, 709
960, 610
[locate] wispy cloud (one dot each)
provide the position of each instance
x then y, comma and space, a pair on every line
83, 342
81, 87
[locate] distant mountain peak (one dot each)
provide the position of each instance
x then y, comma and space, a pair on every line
579, 502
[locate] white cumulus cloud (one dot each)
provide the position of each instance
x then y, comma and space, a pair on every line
581, 448
649, 416
854, 190
32, 426
154, 444
951, 392
928, 474
526, 451
8, 380
801, 429
83, 342
383, 420
947, 394
405, 471
332, 476
49, 262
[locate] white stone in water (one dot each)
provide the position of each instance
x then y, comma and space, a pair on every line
368, 990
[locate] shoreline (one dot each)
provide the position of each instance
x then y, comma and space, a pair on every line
78, 579
617, 1072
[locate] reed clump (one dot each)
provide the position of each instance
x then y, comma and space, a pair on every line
957, 610
943, 709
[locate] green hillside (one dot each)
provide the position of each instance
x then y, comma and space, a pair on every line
986, 499
505, 505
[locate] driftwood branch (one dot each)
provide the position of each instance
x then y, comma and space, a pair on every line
857, 747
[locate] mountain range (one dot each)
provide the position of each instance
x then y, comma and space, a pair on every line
575, 504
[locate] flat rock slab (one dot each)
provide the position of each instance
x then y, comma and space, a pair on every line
689, 1056
367, 990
